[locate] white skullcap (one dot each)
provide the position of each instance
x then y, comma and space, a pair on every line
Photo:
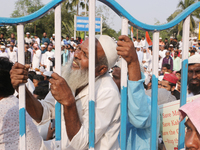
171, 45
195, 59
42, 45
171, 37
195, 38
8, 44
160, 38
109, 46
138, 47
72, 37
27, 33
53, 34
2, 46
48, 73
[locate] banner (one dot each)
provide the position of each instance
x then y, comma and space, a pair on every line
169, 126
82, 24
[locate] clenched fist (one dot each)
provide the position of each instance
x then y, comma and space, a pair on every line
61, 91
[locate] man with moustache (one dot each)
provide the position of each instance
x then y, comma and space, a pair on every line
71, 91
193, 75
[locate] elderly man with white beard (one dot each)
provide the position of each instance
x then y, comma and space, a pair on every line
71, 90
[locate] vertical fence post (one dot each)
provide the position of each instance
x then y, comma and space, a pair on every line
184, 73
154, 92
58, 71
92, 5
123, 91
22, 94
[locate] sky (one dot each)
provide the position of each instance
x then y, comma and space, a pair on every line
146, 11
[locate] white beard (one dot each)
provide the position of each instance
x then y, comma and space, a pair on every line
74, 78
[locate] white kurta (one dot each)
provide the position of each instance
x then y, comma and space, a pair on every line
4, 54
13, 57
140, 55
36, 59
107, 116
9, 127
47, 62
146, 57
162, 55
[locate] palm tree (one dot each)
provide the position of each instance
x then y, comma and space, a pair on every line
71, 3
182, 6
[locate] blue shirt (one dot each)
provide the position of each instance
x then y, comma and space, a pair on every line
139, 117
66, 41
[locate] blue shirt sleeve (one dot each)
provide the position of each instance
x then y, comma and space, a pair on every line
139, 104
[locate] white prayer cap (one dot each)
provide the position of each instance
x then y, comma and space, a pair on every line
72, 37
53, 34
8, 45
42, 45
138, 47
195, 38
27, 33
160, 38
48, 73
3, 47
109, 46
171, 37
195, 59
171, 45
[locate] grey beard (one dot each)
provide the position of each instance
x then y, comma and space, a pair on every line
75, 78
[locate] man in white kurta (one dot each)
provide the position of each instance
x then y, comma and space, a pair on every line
47, 60
12, 55
107, 100
139, 54
3, 52
36, 57
146, 58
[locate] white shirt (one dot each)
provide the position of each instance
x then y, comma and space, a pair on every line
28, 40
38, 41
107, 116
36, 59
140, 55
143, 43
47, 62
9, 127
146, 57
162, 55
4, 54
138, 44
13, 57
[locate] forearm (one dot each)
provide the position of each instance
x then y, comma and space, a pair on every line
72, 121
134, 71
33, 107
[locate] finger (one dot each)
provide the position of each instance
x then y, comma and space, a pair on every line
49, 125
16, 83
52, 81
53, 129
19, 72
124, 38
27, 66
19, 77
121, 43
55, 76
18, 66
122, 49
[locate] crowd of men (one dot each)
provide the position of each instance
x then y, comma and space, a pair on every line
71, 90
